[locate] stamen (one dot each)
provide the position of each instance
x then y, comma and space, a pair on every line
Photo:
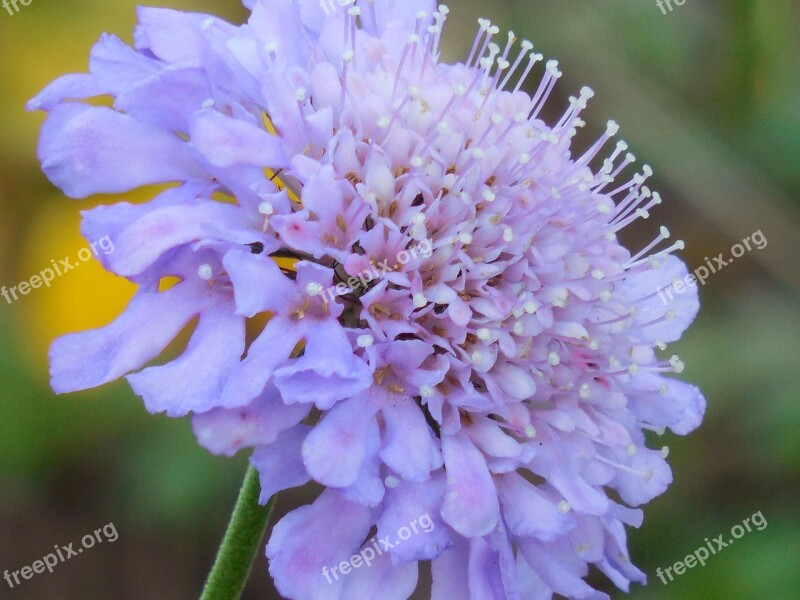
527, 46
646, 475
532, 60
484, 25
552, 75
663, 235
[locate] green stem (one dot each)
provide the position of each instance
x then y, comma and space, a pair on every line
240, 545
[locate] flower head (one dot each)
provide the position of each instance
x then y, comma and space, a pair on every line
452, 327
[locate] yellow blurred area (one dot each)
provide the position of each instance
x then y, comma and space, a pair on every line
85, 297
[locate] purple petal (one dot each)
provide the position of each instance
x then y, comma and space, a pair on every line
381, 580
559, 571
313, 538
79, 361
471, 506
410, 449
88, 150
485, 581
225, 142
258, 283
415, 506
279, 464
528, 512
336, 449
682, 307
580, 495
194, 381
450, 574
327, 372
226, 430
163, 229
368, 488
73, 86
167, 99
171, 35
272, 347
651, 479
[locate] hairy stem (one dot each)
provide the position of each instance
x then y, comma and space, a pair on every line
241, 543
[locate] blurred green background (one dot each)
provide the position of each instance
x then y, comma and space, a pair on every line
708, 94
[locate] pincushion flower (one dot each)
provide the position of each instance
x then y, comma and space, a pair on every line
501, 383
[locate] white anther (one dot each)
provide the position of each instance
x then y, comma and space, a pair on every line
314, 288
391, 481
365, 340
676, 363
205, 272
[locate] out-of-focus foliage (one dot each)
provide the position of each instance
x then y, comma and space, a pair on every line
71, 464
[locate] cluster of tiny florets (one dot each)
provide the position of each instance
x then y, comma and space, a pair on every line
408, 288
